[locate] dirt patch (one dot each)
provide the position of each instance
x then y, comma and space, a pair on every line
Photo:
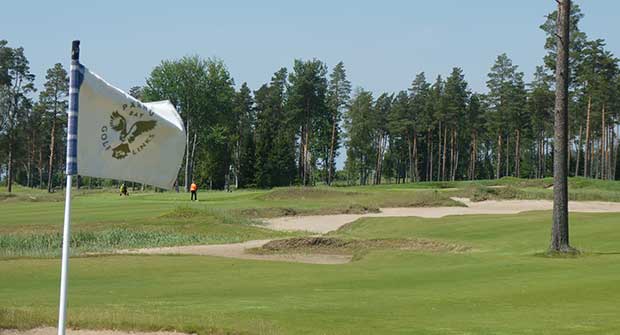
319, 245
238, 250
53, 331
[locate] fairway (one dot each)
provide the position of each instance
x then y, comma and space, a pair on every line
493, 279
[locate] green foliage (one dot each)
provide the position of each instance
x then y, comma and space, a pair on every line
275, 140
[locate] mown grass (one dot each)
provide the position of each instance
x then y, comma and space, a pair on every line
502, 287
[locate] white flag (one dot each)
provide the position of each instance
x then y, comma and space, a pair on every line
122, 138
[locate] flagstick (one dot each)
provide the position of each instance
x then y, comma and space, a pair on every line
71, 170
65, 259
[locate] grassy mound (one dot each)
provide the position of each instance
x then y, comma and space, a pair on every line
482, 193
305, 193
273, 212
334, 245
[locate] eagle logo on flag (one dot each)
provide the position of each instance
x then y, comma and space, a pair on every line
128, 135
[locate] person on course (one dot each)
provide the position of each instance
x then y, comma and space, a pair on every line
124, 190
193, 189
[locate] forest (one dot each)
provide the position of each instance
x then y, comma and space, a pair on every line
291, 130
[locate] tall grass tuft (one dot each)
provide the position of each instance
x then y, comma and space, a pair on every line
49, 245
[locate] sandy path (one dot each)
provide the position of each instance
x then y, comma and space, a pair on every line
238, 250
325, 223
52, 331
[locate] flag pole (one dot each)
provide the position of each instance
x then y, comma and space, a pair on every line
74, 88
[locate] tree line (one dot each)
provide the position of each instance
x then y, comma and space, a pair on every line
290, 130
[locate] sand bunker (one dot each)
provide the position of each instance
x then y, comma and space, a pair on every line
322, 224
238, 250
325, 223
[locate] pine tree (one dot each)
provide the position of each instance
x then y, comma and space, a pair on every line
418, 121
359, 128
275, 134
16, 102
54, 99
506, 92
307, 103
559, 231
540, 106
456, 98
338, 96
245, 153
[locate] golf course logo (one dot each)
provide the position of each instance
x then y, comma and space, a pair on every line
128, 133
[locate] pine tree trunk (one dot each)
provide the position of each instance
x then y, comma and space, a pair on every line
456, 165
537, 173
306, 167
415, 174
472, 157
455, 159
50, 167
430, 171
443, 156
568, 153
559, 231
451, 165
40, 167
192, 160
499, 156
507, 155
593, 159
616, 153
28, 165
410, 156
518, 154
586, 157
187, 129
603, 144
611, 151
378, 161
332, 145
579, 148
9, 169
439, 153
429, 156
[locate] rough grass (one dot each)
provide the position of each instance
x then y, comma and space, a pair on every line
482, 193
356, 247
49, 245
180, 226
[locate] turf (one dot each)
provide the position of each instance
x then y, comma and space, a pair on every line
502, 283
502, 287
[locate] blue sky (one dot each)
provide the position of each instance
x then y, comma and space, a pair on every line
382, 43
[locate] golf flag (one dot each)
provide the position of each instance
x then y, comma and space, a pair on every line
119, 137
